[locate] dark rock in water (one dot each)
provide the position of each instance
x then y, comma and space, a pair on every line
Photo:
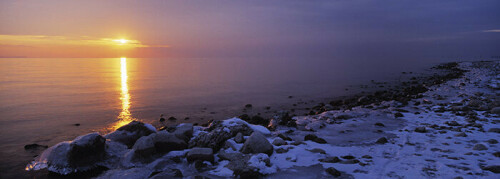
86, 150
202, 154
350, 161
239, 138
398, 114
367, 156
479, 147
34, 146
420, 129
257, 143
461, 134
162, 119
248, 106
330, 160
495, 130
492, 141
334, 172
172, 118
382, 140
492, 168
315, 138
77, 124
129, 133
258, 120
379, 124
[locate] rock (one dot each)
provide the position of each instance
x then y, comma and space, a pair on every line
250, 172
282, 150
248, 106
495, 110
203, 154
279, 141
398, 114
315, 138
332, 171
420, 129
350, 161
496, 154
86, 150
379, 124
184, 131
165, 142
348, 157
492, 168
35, 146
77, 124
239, 138
173, 173
257, 143
172, 118
495, 130
452, 123
479, 147
284, 137
129, 133
382, 140
217, 135
330, 160
461, 134
317, 150
144, 149
273, 124
492, 141
367, 157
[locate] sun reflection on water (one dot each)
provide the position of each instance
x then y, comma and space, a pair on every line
125, 116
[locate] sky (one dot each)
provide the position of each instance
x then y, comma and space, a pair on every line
224, 28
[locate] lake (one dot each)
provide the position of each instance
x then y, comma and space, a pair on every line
46, 101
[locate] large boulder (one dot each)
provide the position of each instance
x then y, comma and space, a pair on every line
129, 133
82, 154
202, 154
154, 145
166, 142
257, 143
184, 131
86, 150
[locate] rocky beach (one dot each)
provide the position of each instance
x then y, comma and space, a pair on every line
443, 125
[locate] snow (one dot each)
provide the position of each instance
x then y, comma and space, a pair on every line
150, 127
237, 121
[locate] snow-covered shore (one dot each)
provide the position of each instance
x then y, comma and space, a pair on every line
443, 126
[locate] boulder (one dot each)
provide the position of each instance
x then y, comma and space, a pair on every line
257, 143
202, 154
480, 147
86, 150
332, 171
278, 142
129, 133
382, 140
144, 149
184, 131
420, 129
165, 142
239, 138
315, 138
492, 168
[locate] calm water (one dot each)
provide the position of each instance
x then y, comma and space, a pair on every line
42, 99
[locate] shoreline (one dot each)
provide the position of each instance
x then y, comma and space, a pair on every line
389, 111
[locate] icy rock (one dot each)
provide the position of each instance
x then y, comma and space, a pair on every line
278, 142
492, 168
68, 157
173, 173
203, 154
86, 150
495, 130
480, 147
330, 160
495, 110
315, 138
332, 171
257, 143
382, 140
148, 147
262, 163
129, 133
184, 131
239, 138
144, 148
214, 139
166, 142
420, 129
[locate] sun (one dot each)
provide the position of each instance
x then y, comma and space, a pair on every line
122, 41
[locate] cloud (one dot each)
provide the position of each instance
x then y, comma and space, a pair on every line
43, 40
492, 30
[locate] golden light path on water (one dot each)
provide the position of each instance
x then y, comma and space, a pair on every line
125, 117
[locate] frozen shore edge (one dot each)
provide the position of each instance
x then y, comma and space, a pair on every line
442, 126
